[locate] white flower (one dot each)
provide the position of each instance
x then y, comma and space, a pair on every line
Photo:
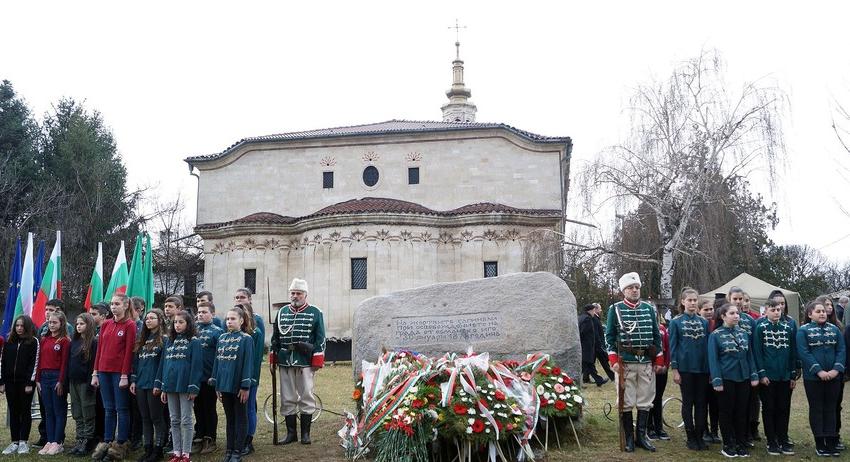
413, 390
461, 393
540, 389
546, 395
548, 384
564, 396
471, 411
464, 400
577, 399
468, 429
489, 385
470, 420
487, 430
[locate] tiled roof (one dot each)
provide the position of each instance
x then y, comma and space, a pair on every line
394, 126
383, 205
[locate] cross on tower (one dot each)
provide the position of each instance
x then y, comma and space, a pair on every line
457, 29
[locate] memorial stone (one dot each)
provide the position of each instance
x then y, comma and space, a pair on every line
508, 316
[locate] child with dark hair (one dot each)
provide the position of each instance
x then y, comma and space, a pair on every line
731, 366
179, 377
148, 355
738, 297
80, 368
774, 350
50, 378
17, 379
206, 417
711, 422
821, 348
655, 425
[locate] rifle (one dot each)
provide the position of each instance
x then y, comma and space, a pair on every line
273, 368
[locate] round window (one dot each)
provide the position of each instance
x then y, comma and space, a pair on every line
370, 176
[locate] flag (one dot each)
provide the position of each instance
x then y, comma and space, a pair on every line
37, 268
95, 292
136, 285
120, 276
23, 305
12, 292
148, 272
51, 282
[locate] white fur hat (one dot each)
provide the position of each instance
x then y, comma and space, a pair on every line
299, 285
629, 279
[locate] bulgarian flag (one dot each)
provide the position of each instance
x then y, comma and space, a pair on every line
120, 276
95, 293
136, 285
24, 302
51, 282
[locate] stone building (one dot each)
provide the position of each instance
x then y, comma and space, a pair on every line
365, 210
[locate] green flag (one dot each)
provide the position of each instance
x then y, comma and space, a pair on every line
148, 272
136, 284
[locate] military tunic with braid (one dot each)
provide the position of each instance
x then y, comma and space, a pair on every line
639, 340
291, 326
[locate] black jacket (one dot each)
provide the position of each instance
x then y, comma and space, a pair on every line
587, 335
19, 362
600, 338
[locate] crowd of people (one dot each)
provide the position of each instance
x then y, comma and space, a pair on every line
730, 362
142, 377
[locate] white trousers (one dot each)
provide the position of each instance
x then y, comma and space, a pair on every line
296, 390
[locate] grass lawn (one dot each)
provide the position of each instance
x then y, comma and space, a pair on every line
598, 436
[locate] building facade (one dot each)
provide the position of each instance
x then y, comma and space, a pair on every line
365, 210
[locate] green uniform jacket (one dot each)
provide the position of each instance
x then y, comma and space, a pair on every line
291, 326
639, 331
775, 350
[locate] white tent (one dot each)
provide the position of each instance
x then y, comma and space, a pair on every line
758, 291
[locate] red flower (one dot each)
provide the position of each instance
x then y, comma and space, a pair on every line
500, 395
478, 426
356, 394
568, 381
460, 409
543, 371
510, 363
499, 425
556, 371
431, 396
543, 402
417, 403
560, 405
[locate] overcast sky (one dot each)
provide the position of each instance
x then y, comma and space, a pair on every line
175, 79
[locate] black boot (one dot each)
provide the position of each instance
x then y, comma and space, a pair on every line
249, 447
699, 440
148, 452
692, 441
156, 454
291, 429
641, 439
628, 431
306, 421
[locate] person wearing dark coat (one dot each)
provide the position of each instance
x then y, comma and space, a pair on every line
601, 353
590, 343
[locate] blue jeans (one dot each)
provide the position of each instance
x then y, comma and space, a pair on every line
115, 402
55, 406
252, 411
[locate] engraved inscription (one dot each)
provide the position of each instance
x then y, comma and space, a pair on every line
460, 328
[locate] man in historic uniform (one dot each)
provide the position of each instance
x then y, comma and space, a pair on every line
635, 354
298, 350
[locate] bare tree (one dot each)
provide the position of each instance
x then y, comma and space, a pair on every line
688, 133
178, 253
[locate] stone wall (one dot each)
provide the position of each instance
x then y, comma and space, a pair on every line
398, 258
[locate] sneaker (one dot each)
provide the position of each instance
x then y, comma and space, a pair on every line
45, 449
56, 449
175, 458
787, 449
662, 435
651, 435
774, 450
23, 448
823, 453
743, 452
12, 448
728, 452
840, 446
